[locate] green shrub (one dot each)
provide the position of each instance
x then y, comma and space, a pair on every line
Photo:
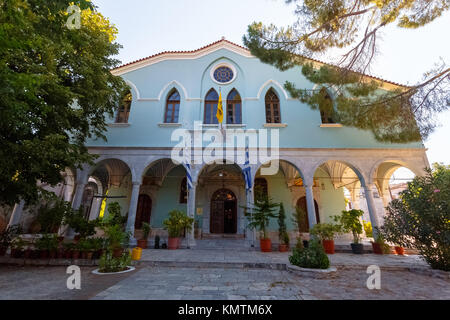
282, 231
313, 257
325, 231
349, 221
108, 263
420, 219
177, 222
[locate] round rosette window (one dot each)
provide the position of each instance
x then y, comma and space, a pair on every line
223, 74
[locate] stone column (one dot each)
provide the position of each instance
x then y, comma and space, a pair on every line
132, 210
190, 238
16, 214
310, 206
371, 207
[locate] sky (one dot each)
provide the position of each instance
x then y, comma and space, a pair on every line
147, 27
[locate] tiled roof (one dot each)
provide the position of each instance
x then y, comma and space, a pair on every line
241, 47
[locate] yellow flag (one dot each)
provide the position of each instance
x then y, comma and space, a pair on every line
219, 114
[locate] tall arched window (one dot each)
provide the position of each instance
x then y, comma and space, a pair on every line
272, 107
172, 107
124, 109
183, 191
261, 189
234, 108
326, 107
211, 101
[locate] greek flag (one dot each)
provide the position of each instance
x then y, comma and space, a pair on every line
187, 166
247, 171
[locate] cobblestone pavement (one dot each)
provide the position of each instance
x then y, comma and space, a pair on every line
155, 283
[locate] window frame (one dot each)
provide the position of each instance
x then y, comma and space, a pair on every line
123, 116
233, 103
270, 107
214, 105
173, 104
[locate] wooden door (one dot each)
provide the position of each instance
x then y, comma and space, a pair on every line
144, 211
217, 216
301, 203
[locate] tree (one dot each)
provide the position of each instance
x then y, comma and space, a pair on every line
420, 219
55, 91
353, 26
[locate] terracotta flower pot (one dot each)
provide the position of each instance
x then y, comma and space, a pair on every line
60, 254
142, 243
68, 254
83, 254
399, 250
283, 247
328, 246
266, 245
75, 254
43, 254
52, 254
174, 243
376, 247
15, 253
28, 254
3, 251
89, 255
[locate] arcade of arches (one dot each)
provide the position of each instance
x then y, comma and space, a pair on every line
219, 195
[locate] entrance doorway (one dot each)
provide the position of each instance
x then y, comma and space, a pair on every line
144, 211
223, 212
301, 203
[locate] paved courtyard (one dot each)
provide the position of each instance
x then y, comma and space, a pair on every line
162, 283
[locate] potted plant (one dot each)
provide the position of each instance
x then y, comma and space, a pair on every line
259, 217
175, 224
282, 232
146, 229
52, 246
325, 233
68, 248
75, 250
97, 247
17, 248
393, 232
349, 221
6, 237
379, 246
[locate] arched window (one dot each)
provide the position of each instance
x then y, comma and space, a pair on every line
183, 191
211, 101
124, 109
234, 108
272, 107
326, 107
261, 190
172, 107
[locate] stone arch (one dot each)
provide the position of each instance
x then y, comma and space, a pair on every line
277, 88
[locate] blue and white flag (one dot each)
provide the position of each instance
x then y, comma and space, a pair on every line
187, 166
247, 171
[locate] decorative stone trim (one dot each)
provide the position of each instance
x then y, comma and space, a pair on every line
313, 273
236, 125
275, 125
331, 125
169, 125
119, 125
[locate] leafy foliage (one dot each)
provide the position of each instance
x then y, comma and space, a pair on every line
7, 235
56, 89
177, 222
420, 219
282, 231
77, 221
349, 221
368, 229
325, 231
260, 213
108, 263
53, 213
400, 115
313, 257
